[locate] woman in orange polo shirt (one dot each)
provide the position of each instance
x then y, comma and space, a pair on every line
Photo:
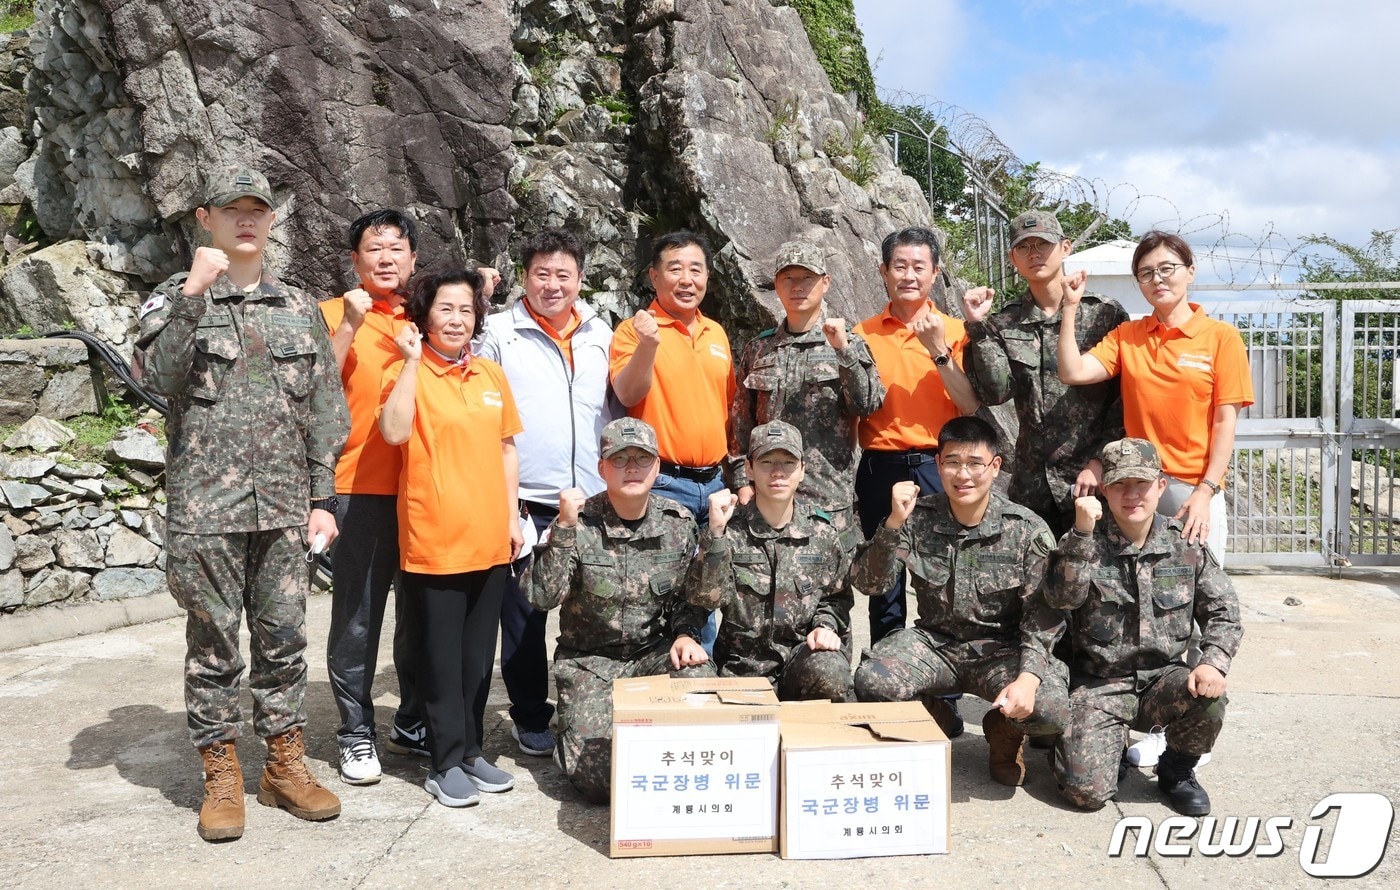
1185, 379
454, 419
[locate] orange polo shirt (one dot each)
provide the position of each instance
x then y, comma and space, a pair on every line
1173, 380
691, 387
453, 515
368, 465
916, 403
563, 339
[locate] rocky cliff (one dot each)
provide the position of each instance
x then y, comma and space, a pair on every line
485, 120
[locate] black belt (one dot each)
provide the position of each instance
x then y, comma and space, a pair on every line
694, 474
912, 458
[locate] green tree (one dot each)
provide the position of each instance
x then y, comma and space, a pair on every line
923, 154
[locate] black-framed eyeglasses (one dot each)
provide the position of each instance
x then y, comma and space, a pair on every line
639, 459
1165, 271
1037, 246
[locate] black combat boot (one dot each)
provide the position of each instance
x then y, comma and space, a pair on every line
1176, 777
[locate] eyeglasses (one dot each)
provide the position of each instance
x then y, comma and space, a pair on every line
1165, 271
638, 459
1037, 246
974, 468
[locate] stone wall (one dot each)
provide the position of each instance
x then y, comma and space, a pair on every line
48, 377
74, 530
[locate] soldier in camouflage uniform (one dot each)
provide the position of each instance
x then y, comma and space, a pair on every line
815, 373
777, 569
617, 563
976, 563
1135, 585
1012, 355
257, 421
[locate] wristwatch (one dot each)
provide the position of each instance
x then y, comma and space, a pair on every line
330, 504
943, 360
1214, 489
689, 630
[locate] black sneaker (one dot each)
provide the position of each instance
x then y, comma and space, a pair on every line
1176, 778
413, 740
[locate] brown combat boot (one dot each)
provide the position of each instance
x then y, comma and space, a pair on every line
221, 816
1004, 760
287, 783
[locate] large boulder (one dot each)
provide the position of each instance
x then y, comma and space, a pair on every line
62, 286
346, 107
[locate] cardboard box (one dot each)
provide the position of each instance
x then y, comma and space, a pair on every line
863, 779
694, 766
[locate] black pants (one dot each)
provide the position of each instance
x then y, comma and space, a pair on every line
364, 564
459, 615
524, 660
875, 477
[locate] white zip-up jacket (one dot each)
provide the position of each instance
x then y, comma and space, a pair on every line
563, 410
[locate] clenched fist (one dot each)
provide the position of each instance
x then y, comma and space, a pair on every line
931, 333
570, 505
356, 303
902, 498
977, 302
1074, 289
835, 331
648, 331
209, 263
722, 504
410, 343
1087, 512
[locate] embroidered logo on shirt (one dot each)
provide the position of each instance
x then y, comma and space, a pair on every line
1190, 360
492, 397
155, 302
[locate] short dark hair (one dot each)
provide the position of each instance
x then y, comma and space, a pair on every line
914, 235
970, 430
383, 219
425, 291
675, 241
553, 241
1155, 239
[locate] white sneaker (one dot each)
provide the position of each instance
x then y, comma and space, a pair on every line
359, 765
1146, 752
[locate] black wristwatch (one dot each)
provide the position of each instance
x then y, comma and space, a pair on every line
943, 360
689, 630
330, 504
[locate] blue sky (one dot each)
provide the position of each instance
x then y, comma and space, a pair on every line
1253, 122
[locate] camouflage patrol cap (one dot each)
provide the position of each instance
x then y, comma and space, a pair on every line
624, 433
773, 436
1130, 459
800, 253
237, 181
1036, 224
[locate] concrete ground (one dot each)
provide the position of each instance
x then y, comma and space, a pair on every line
100, 787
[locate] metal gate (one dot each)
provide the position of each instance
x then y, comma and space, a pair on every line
1317, 457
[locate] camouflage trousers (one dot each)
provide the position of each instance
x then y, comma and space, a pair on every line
1102, 711
908, 664
584, 684
805, 675
215, 578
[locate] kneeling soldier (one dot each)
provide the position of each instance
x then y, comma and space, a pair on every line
976, 563
617, 562
777, 569
1135, 586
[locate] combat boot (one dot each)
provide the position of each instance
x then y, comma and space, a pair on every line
1176, 777
287, 783
945, 713
221, 816
1004, 739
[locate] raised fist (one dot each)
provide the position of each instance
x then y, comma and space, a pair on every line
977, 302
356, 303
409, 342
722, 504
835, 331
902, 498
1087, 512
1074, 288
648, 331
570, 505
931, 333
209, 263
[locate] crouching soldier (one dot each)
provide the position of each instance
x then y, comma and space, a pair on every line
777, 569
976, 563
617, 563
1135, 586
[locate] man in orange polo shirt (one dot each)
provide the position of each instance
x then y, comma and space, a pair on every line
671, 367
365, 561
918, 351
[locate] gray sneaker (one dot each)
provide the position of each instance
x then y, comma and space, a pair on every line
452, 788
486, 776
536, 744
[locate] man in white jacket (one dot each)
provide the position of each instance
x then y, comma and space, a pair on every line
555, 353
